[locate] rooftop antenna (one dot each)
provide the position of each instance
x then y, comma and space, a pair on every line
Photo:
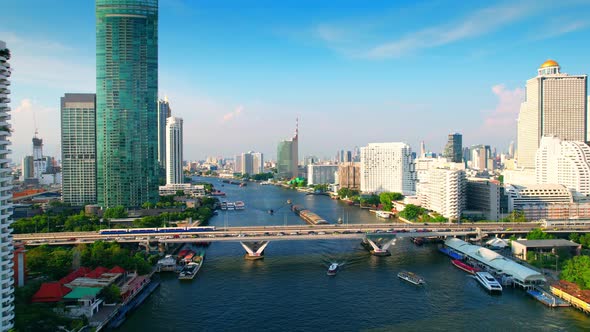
35, 124
296, 127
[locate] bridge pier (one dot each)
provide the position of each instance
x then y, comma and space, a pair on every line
376, 249
254, 250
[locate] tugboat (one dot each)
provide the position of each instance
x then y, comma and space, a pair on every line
411, 278
333, 269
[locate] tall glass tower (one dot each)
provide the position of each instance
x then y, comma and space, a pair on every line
454, 148
126, 102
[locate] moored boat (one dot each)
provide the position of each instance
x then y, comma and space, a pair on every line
464, 266
450, 253
190, 270
487, 281
217, 193
240, 205
418, 241
231, 206
333, 269
411, 278
383, 214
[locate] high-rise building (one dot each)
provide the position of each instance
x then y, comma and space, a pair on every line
454, 148
387, 167
422, 149
257, 163
27, 168
566, 163
481, 158
349, 175
321, 174
238, 163
78, 148
288, 156
174, 174
39, 162
7, 249
164, 112
249, 163
483, 198
126, 102
443, 191
555, 105
511, 149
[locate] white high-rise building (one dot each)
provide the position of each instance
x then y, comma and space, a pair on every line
443, 191
387, 167
6, 247
555, 105
565, 163
249, 163
174, 144
257, 163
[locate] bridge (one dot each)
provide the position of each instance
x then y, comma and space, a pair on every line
254, 239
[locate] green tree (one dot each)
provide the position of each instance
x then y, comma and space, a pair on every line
538, 234
111, 294
411, 212
577, 270
386, 199
115, 212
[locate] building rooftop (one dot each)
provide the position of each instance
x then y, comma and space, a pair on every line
82, 292
547, 243
549, 63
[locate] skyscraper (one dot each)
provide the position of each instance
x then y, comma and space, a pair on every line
387, 167
481, 158
6, 272
78, 148
39, 162
443, 191
555, 105
288, 156
422, 149
164, 112
126, 101
174, 172
257, 163
454, 148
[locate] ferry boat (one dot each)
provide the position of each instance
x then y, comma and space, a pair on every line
450, 253
383, 214
464, 266
231, 206
224, 205
488, 282
411, 278
217, 193
333, 269
240, 205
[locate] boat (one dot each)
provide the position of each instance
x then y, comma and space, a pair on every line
224, 205
450, 253
411, 278
243, 184
464, 266
418, 241
231, 206
217, 193
167, 263
488, 282
333, 269
240, 205
383, 214
190, 270
340, 220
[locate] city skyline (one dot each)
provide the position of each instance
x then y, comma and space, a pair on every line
342, 61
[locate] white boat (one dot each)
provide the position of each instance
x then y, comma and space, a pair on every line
488, 282
411, 278
231, 206
240, 205
383, 214
333, 269
224, 205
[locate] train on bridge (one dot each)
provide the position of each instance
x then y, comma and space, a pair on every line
161, 230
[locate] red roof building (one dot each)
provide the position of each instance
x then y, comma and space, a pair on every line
50, 292
117, 269
96, 273
80, 272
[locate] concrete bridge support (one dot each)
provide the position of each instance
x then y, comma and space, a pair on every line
377, 248
254, 250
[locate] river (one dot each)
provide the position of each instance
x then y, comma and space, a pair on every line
289, 289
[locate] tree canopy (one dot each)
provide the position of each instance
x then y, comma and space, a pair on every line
577, 270
538, 234
386, 199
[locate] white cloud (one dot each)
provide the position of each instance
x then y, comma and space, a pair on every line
229, 116
28, 116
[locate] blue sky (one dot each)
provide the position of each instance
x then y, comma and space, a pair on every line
354, 72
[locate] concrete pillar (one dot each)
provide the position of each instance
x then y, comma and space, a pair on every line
377, 250
254, 250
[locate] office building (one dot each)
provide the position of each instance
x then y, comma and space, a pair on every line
288, 157
349, 175
164, 112
483, 199
6, 246
454, 148
126, 102
566, 163
174, 173
321, 174
249, 163
257, 163
27, 168
442, 190
481, 158
39, 162
387, 167
555, 105
78, 148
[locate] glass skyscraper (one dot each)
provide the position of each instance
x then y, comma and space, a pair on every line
126, 102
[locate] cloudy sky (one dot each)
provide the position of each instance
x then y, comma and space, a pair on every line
354, 72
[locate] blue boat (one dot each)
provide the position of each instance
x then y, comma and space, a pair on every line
450, 253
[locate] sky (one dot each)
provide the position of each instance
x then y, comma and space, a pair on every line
240, 72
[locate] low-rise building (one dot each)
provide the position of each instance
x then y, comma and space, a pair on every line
521, 247
189, 189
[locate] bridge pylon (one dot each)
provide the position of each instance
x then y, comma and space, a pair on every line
378, 247
254, 250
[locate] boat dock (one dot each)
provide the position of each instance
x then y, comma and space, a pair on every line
547, 298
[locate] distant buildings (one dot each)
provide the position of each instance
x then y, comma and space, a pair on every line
126, 102
321, 174
288, 157
164, 112
349, 175
27, 168
481, 158
78, 148
249, 163
174, 142
387, 167
454, 148
566, 163
6, 246
555, 105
